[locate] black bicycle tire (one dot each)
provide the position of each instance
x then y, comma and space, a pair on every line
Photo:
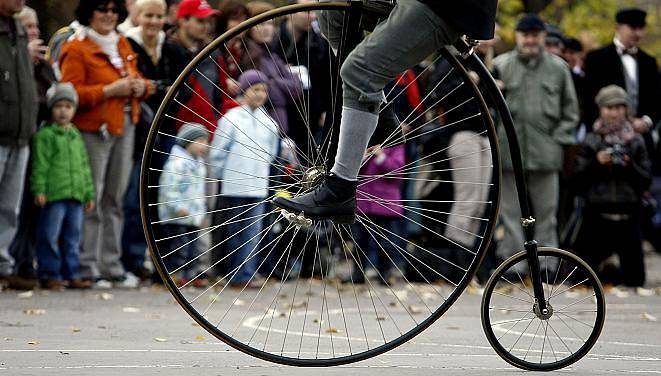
147, 211
530, 366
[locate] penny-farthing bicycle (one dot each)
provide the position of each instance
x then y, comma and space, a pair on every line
306, 304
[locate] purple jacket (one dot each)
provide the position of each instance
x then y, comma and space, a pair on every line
283, 85
385, 188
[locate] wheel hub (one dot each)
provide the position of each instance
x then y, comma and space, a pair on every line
313, 177
545, 314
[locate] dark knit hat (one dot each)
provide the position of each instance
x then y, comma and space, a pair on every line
612, 95
554, 35
252, 77
190, 132
61, 91
530, 22
634, 17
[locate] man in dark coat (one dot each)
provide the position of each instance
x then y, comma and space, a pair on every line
623, 63
19, 106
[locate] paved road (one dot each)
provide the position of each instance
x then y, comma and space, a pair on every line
144, 332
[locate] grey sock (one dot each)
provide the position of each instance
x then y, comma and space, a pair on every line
356, 130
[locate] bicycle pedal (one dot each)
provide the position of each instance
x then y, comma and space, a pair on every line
297, 219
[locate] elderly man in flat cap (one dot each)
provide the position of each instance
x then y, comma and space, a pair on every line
540, 93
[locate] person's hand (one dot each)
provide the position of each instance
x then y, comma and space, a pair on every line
233, 87
37, 49
182, 213
138, 87
89, 206
640, 125
40, 200
406, 128
604, 157
120, 88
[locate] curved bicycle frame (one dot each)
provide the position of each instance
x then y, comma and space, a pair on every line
494, 92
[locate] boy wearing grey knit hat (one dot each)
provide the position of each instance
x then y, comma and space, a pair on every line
61, 182
182, 208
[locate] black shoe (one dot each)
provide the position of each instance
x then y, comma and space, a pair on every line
334, 199
387, 129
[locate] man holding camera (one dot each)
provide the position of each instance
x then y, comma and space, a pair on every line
612, 172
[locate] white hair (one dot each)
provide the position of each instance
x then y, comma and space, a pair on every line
141, 4
25, 12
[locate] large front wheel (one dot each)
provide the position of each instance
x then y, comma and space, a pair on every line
321, 294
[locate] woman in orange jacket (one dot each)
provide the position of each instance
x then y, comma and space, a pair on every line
102, 66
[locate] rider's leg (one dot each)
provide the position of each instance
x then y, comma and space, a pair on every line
411, 33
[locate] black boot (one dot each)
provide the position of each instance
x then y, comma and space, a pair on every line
388, 128
334, 199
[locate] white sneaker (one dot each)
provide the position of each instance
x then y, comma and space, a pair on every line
130, 282
102, 284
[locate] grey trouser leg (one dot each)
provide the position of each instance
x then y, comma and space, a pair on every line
468, 151
543, 189
13, 166
411, 33
111, 162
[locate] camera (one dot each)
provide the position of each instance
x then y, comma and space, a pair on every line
618, 154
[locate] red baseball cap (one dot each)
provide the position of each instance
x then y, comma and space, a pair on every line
195, 8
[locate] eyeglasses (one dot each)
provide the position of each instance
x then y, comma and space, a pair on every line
107, 9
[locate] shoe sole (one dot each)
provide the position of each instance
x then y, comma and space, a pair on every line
306, 221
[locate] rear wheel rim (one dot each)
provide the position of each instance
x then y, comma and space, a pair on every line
529, 339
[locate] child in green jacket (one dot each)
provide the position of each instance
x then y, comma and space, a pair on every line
61, 182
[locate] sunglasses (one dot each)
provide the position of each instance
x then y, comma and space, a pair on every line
107, 9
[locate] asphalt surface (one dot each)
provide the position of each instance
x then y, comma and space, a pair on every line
144, 332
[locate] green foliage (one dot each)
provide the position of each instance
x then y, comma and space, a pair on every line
591, 21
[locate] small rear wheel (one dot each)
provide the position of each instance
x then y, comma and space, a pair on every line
543, 341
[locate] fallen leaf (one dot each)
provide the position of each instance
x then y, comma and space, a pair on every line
158, 339
34, 311
195, 324
75, 329
105, 296
130, 310
647, 317
25, 295
301, 304
199, 338
453, 328
33, 342
380, 318
332, 330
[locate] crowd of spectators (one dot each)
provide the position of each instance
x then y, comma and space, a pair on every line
76, 115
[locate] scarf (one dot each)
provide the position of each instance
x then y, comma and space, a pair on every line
109, 45
615, 133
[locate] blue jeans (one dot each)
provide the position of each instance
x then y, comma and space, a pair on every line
182, 239
244, 235
59, 235
134, 244
374, 242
